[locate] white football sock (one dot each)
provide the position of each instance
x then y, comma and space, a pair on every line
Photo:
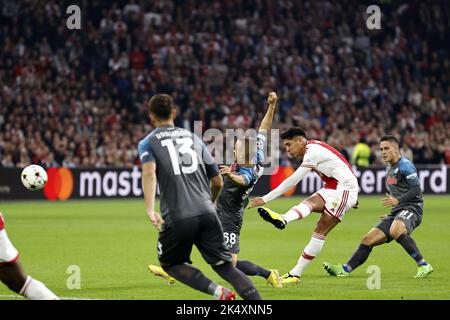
36, 290
313, 248
218, 291
298, 212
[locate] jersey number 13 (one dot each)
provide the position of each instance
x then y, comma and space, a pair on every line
189, 161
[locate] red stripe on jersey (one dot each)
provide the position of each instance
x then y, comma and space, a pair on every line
330, 183
307, 256
337, 153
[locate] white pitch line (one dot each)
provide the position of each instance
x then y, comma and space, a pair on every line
63, 298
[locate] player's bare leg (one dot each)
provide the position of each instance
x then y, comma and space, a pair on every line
324, 225
399, 232
15, 278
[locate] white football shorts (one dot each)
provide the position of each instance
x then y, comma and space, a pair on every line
338, 201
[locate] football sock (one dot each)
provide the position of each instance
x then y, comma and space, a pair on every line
191, 277
410, 246
251, 269
313, 248
297, 212
215, 289
358, 258
36, 290
240, 282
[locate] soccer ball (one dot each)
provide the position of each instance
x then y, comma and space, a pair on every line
34, 177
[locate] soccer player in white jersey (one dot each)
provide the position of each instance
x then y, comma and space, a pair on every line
338, 195
13, 275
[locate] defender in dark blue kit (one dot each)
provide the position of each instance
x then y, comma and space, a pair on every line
190, 183
405, 198
239, 180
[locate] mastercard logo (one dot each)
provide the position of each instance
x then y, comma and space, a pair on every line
280, 174
59, 185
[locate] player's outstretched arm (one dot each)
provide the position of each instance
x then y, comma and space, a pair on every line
266, 122
149, 188
290, 182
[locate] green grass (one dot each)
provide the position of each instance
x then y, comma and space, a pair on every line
113, 242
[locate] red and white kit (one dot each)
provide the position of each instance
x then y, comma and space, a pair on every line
340, 190
8, 253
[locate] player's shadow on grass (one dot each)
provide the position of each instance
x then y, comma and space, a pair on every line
148, 286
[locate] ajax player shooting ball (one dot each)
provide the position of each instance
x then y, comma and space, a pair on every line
338, 195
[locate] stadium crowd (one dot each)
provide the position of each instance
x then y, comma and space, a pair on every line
77, 98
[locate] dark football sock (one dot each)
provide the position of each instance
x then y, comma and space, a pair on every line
358, 258
240, 282
251, 269
191, 277
410, 246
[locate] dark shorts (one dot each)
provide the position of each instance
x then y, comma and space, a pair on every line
232, 240
408, 216
176, 240
231, 225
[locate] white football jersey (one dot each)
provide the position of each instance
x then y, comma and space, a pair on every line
330, 165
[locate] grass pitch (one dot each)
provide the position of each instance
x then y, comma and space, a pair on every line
112, 242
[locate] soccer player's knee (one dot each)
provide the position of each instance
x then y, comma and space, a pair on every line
396, 232
367, 240
222, 266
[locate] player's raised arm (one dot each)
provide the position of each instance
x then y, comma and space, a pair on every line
266, 122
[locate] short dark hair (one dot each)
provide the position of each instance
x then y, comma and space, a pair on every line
161, 105
390, 138
292, 133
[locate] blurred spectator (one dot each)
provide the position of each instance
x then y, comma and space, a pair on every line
78, 98
361, 154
